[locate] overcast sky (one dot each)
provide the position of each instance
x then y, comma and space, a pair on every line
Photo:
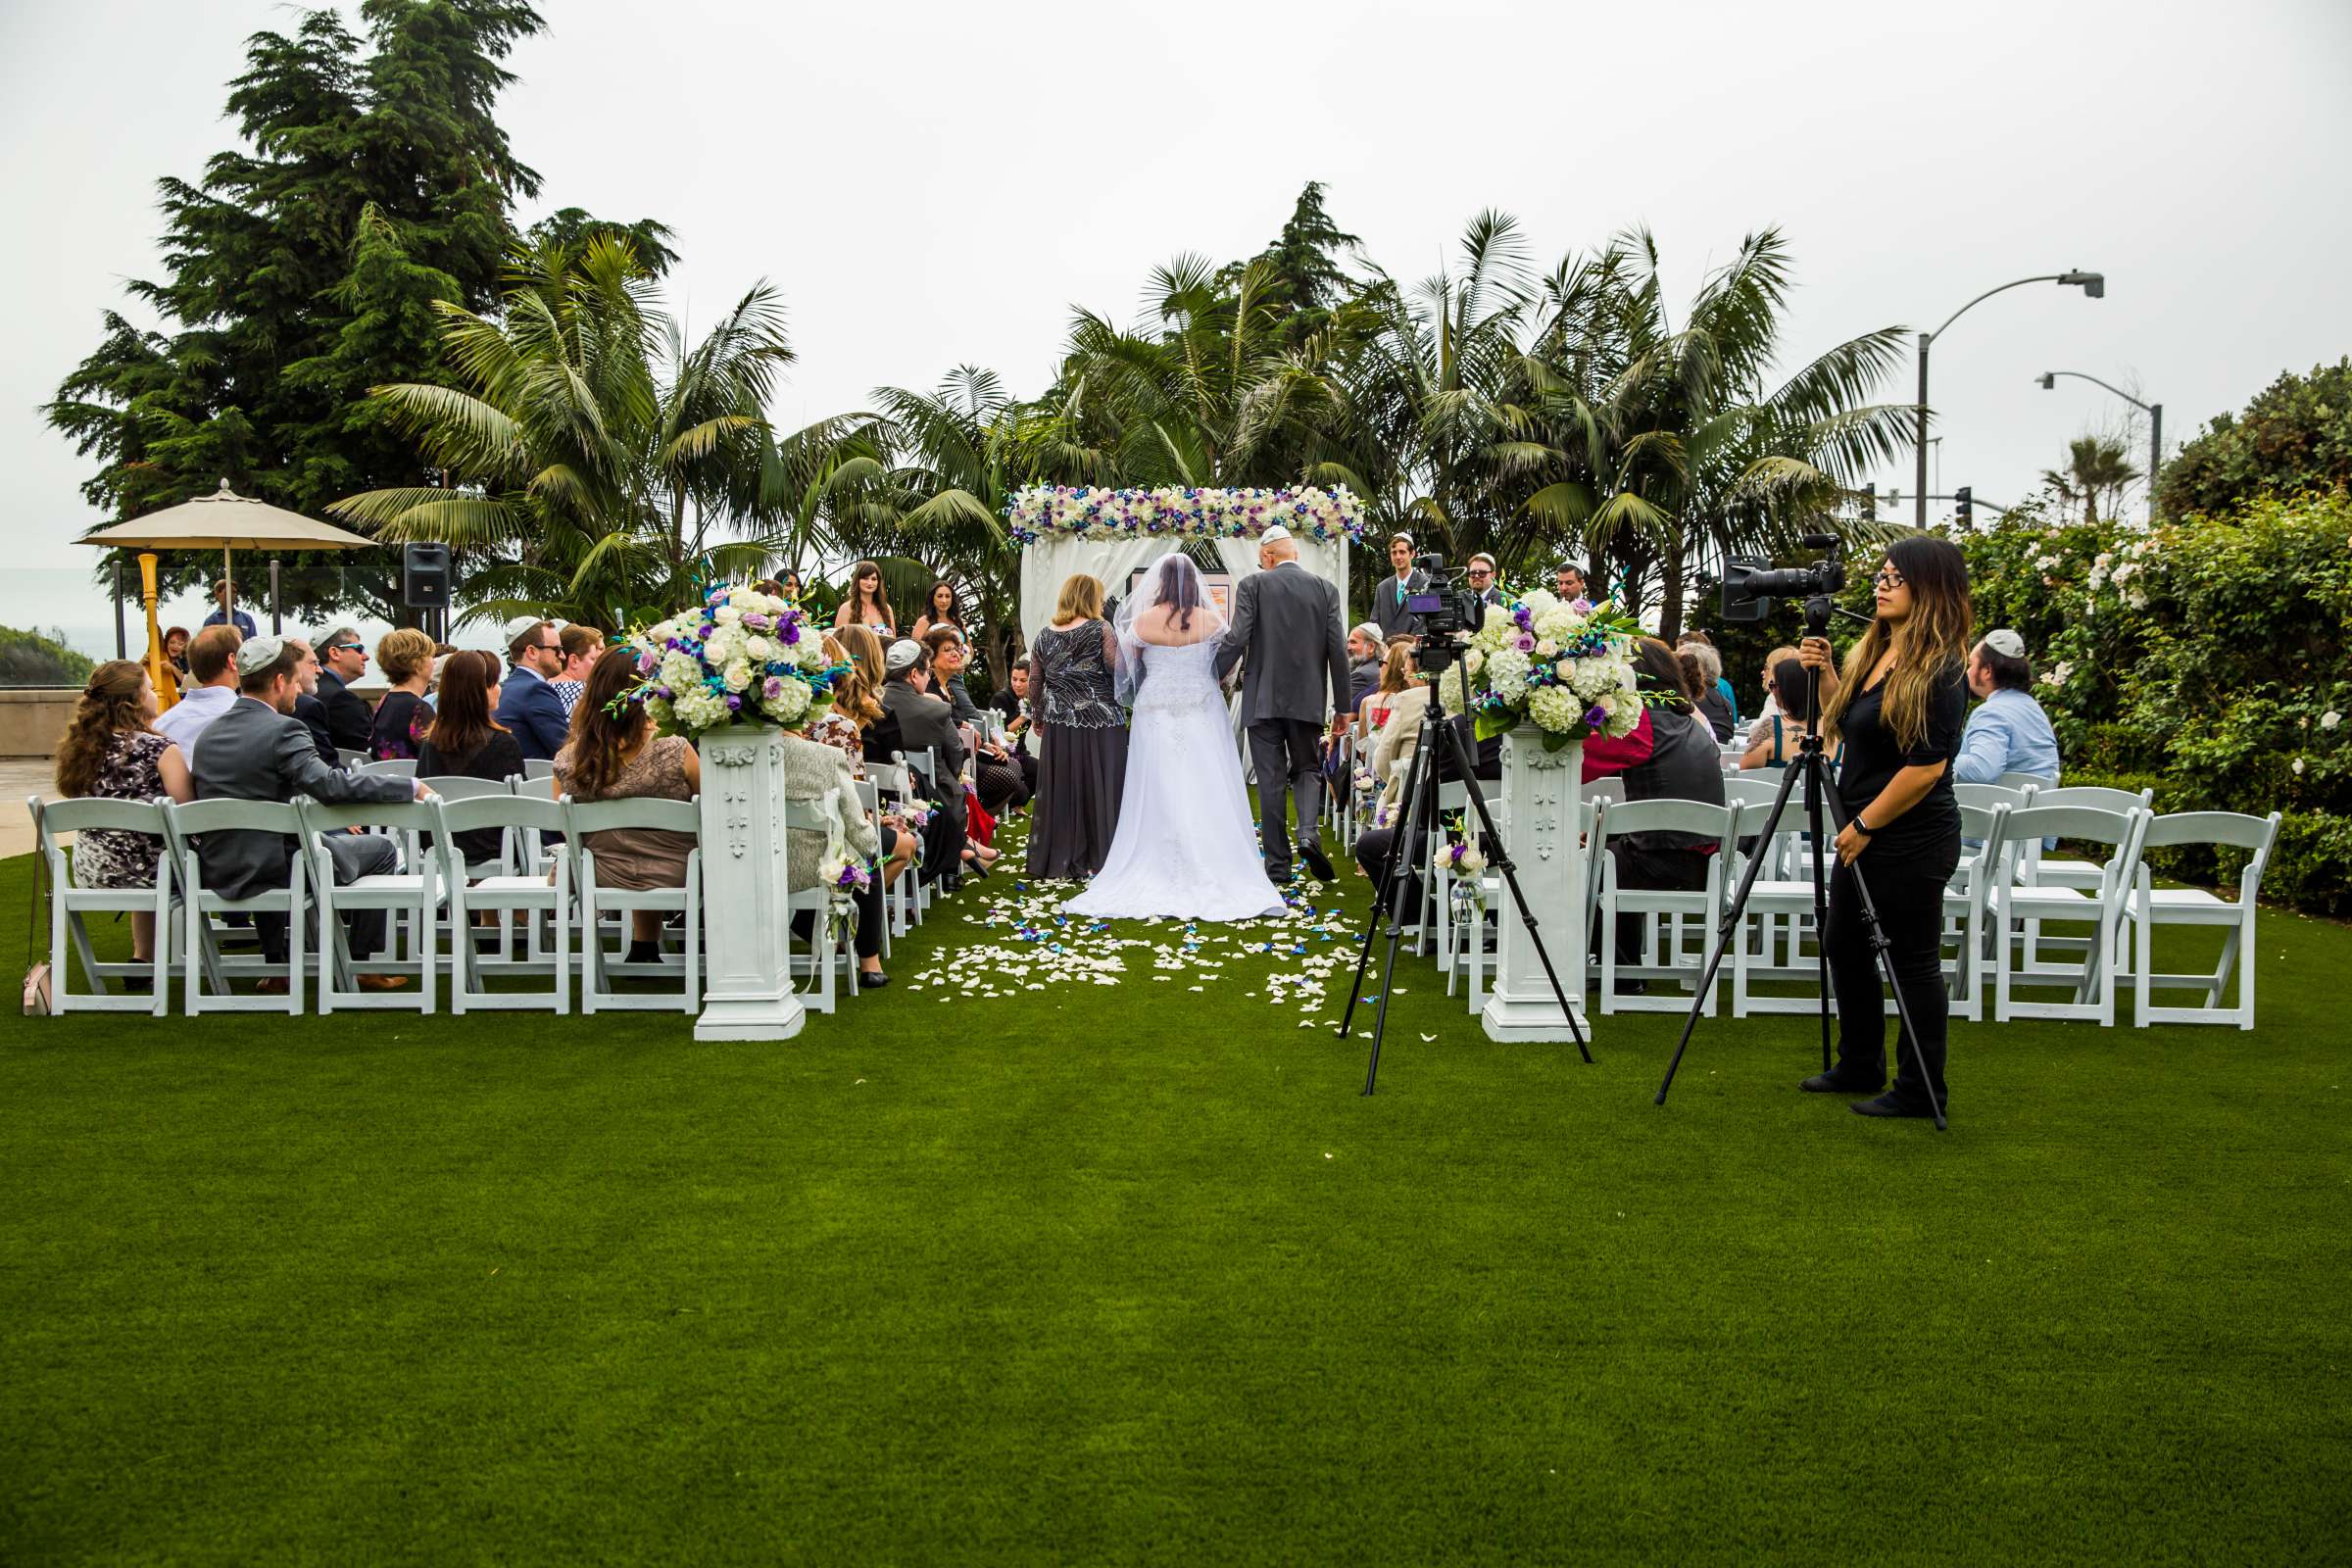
930, 185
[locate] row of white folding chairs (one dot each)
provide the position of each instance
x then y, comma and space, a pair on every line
1994, 906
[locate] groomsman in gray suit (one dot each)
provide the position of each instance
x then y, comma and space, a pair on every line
1288, 622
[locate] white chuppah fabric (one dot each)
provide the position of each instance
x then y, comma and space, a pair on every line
1050, 563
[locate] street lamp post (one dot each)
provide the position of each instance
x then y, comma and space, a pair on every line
2154, 412
2094, 284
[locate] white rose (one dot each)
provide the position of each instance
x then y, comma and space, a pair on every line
736, 675
1545, 648
2330, 718
726, 614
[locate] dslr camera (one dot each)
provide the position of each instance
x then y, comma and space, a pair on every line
1749, 587
1448, 611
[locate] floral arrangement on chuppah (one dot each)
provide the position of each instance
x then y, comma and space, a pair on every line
743, 658
1052, 512
1565, 665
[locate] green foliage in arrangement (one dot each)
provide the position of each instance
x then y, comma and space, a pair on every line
38, 658
2296, 436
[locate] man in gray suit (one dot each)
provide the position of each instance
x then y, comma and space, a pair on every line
258, 751
1287, 620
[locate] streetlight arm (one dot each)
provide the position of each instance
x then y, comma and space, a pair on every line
2046, 278
2095, 381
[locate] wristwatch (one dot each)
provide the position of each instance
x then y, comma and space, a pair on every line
1863, 828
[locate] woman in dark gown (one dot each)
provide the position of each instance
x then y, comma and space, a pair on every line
1082, 767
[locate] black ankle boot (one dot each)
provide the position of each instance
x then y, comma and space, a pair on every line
644, 953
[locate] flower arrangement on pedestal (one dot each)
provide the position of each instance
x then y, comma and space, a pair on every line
1564, 666
743, 658
1050, 512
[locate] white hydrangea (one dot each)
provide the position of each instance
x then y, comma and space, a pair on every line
790, 700
659, 711
1559, 625
725, 646
811, 651
679, 672
700, 709
1507, 669
1556, 709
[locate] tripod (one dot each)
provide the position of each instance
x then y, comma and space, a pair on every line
1813, 767
1417, 822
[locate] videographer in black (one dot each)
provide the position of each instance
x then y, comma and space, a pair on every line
1898, 708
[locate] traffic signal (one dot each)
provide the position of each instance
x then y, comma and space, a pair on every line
1963, 509
1869, 502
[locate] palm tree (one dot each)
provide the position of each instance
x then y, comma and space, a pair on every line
2096, 469
599, 464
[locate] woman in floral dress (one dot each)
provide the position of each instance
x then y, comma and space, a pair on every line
112, 751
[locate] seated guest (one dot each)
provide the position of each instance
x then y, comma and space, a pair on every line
1012, 703
1777, 739
308, 705
1696, 644
618, 756
583, 645
1705, 697
1669, 756
1372, 845
528, 705
1364, 660
995, 777
406, 657
1772, 699
213, 667
913, 720
814, 769
175, 648
464, 741
342, 659
2008, 733
258, 751
855, 709
1400, 728
112, 751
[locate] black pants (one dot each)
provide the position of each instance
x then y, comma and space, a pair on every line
1000, 785
1659, 869
1906, 886
1372, 850
866, 938
1285, 751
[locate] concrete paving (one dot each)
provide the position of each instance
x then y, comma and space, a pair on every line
20, 776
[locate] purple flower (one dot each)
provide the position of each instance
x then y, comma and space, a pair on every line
756, 620
733, 701
792, 633
1595, 716
665, 692
771, 687
1527, 644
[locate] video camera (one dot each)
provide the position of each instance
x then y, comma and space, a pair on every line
1449, 612
1750, 586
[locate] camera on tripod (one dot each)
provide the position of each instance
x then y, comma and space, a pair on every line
1448, 609
1750, 586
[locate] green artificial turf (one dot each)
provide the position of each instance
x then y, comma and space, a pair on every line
1131, 1273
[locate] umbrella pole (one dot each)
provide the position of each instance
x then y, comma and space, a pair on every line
121, 636
277, 605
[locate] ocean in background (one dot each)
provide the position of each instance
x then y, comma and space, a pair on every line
66, 601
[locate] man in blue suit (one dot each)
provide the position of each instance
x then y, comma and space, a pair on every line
530, 706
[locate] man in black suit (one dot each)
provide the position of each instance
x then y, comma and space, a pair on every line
258, 751
1287, 622
342, 659
913, 720
1013, 703
1390, 593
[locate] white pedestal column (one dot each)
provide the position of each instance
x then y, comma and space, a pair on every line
1535, 808
747, 989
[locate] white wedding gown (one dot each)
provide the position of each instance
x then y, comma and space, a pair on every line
1185, 846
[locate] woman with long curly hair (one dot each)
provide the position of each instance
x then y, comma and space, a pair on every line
1897, 708
614, 755
111, 750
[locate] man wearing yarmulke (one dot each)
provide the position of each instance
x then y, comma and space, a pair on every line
2008, 733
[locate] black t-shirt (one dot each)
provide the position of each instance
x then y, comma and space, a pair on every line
1874, 755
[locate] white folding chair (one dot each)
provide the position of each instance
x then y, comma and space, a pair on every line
869, 800
2024, 783
582, 818
69, 902
390, 767
894, 785
208, 971
538, 767
2019, 907
1665, 958
346, 759
2039, 869
1781, 909
2152, 907
829, 951
1984, 796
500, 894
1968, 904
406, 896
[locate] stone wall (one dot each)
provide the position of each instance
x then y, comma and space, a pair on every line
33, 719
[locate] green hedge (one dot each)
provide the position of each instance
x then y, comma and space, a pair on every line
2311, 863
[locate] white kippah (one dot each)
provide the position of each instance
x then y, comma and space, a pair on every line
519, 625
259, 652
903, 654
1277, 531
2006, 643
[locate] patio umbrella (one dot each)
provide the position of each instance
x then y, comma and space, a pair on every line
224, 522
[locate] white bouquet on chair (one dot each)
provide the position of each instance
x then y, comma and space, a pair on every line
1563, 666
743, 658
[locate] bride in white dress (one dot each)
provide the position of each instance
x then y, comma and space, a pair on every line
1185, 846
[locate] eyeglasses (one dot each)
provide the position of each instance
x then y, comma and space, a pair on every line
1889, 578
1481, 571
550, 648
345, 648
